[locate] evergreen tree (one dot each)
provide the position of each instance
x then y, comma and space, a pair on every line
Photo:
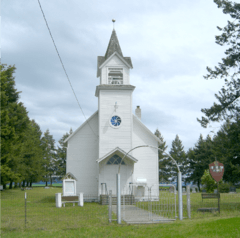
49, 157
227, 106
226, 142
179, 155
163, 160
21, 148
227, 150
199, 159
32, 154
61, 154
14, 122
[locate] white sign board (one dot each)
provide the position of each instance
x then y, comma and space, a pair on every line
69, 187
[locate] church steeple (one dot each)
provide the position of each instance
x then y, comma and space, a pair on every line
109, 60
113, 46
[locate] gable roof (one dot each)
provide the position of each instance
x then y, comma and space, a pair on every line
113, 47
146, 129
80, 127
119, 56
69, 176
119, 152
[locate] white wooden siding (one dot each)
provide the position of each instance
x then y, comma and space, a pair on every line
82, 154
147, 165
111, 138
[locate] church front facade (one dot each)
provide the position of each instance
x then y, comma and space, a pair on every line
95, 150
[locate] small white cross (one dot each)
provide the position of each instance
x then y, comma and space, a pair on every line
116, 106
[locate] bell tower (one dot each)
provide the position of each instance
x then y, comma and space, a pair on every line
114, 99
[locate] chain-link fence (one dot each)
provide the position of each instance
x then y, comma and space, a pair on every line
39, 211
36, 211
152, 205
202, 205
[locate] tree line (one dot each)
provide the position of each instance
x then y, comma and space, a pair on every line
223, 146
27, 154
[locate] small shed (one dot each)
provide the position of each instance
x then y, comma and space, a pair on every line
69, 185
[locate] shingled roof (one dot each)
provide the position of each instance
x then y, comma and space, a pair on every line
113, 46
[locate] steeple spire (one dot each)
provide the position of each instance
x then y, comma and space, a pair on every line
113, 45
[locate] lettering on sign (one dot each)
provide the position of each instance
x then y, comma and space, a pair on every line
216, 170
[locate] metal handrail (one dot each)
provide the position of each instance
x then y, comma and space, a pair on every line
106, 191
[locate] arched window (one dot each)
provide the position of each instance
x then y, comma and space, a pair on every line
115, 159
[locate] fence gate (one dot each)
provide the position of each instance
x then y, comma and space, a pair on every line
144, 204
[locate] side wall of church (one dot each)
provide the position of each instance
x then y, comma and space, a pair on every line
109, 137
82, 154
147, 165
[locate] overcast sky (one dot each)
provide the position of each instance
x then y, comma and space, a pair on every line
170, 44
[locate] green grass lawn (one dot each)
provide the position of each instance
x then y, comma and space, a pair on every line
211, 227
45, 220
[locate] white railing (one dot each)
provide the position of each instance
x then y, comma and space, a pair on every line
115, 81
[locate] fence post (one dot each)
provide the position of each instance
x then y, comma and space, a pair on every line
110, 207
188, 202
25, 210
118, 199
58, 197
175, 195
180, 196
80, 200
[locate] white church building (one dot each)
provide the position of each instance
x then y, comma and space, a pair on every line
96, 148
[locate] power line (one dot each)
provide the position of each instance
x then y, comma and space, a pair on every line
64, 67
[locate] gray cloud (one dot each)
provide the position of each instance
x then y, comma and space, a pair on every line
170, 44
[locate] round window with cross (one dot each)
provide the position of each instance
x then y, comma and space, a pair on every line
115, 121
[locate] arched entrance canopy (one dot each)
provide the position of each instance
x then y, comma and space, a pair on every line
153, 148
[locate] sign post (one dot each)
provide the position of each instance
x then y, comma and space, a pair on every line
217, 170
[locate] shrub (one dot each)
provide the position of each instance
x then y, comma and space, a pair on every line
208, 181
224, 188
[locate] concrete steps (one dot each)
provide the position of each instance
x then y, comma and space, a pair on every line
129, 200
